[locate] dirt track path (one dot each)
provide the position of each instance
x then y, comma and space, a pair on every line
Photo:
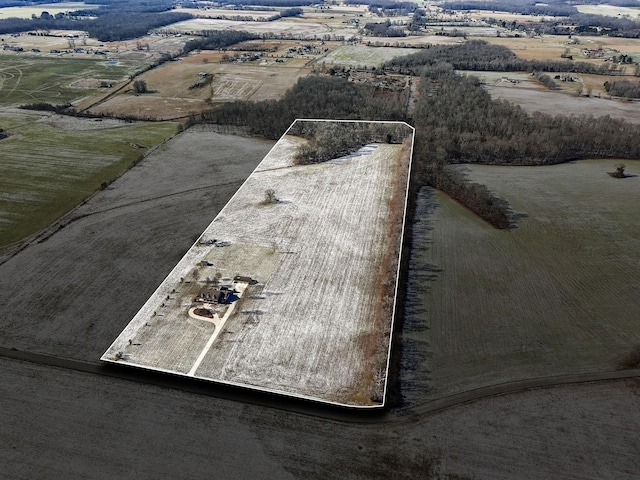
308, 408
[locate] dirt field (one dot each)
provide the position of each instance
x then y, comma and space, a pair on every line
73, 293
171, 96
126, 239
579, 432
313, 326
554, 296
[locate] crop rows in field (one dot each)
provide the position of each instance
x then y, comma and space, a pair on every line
556, 295
313, 326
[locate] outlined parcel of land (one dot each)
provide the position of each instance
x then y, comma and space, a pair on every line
291, 289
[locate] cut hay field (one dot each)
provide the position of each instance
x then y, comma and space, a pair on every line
539, 99
551, 47
279, 27
171, 96
556, 295
610, 10
26, 79
325, 255
362, 55
49, 164
52, 8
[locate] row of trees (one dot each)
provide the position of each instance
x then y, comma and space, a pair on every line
456, 121
113, 20
480, 55
383, 29
217, 39
623, 88
557, 8
462, 123
386, 8
270, 3
311, 97
332, 140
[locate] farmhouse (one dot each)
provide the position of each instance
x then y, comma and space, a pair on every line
223, 295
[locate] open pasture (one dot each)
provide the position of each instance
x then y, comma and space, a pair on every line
278, 28
49, 164
52, 8
551, 47
540, 99
556, 295
317, 323
480, 15
30, 79
610, 10
171, 97
363, 55
547, 47
256, 15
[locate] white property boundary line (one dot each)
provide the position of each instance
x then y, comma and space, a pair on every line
289, 394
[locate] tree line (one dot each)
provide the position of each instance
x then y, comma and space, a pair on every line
271, 3
113, 20
384, 29
623, 88
480, 55
311, 97
217, 39
556, 8
387, 8
329, 140
456, 121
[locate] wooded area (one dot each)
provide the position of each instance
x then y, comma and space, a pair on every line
623, 88
113, 20
456, 121
328, 140
215, 39
480, 55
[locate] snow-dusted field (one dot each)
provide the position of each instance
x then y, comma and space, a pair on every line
325, 256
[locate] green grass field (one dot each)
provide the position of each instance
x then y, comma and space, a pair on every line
49, 164
25, 79
556, 295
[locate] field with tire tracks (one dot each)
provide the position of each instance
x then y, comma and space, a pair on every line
556, 295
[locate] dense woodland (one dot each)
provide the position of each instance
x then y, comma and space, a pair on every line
217, 39
113, 20
383, 29
480, 55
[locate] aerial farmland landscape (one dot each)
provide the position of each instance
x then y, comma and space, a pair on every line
287, 239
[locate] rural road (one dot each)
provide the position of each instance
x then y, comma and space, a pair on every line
309, 408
